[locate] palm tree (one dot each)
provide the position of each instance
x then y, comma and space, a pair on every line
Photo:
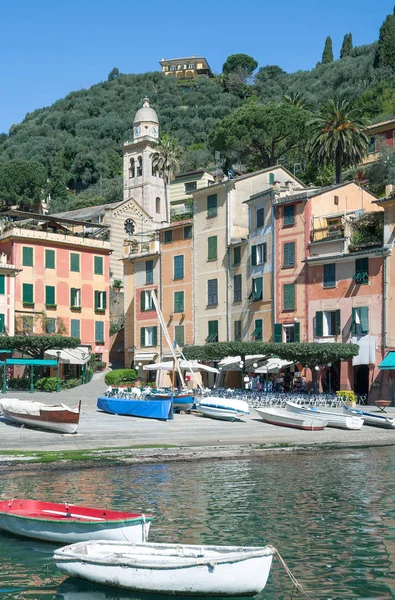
338, 135
166, 160
297, 99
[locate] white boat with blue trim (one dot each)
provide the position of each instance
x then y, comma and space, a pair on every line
338, 420
173, 569
224, 409
370, 418
279, 416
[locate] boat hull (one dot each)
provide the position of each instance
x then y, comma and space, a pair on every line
222, 414
371, 419
62, 423
284, 419
53, 524
169, 568
336, 420
148, 409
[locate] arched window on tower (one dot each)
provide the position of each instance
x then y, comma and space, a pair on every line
139, 166
131, 168
157, 206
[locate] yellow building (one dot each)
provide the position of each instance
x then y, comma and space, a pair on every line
181, 189
186, 68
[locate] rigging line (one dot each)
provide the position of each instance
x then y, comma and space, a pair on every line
295, 582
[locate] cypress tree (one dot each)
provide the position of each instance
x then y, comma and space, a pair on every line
346, 46
385, 56
327, 55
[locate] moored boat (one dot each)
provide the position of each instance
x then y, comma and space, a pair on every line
56, 417
370, 418
67, 523
224, 409
279, 416
334, 419
147, 408
173, 569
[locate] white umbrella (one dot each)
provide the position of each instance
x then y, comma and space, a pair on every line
273, 364
184, 364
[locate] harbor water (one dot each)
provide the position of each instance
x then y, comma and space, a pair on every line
331, 515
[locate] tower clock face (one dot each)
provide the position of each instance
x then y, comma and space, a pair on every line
155, 131
137, 131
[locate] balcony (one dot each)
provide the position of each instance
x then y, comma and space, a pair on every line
181, 213
140, 248
328, 233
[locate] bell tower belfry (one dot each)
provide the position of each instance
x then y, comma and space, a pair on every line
141, 181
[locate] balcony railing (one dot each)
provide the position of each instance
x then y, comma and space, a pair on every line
332, 232
135, 249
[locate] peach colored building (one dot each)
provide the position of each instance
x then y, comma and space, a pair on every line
63, 285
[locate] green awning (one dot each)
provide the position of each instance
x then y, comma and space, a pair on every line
388, 364
31, 362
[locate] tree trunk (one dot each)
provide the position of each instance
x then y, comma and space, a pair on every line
338, 164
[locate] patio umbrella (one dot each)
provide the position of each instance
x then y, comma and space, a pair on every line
184, 364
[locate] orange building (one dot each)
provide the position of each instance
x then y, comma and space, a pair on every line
63, 286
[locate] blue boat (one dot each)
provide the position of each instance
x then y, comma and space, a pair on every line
148, 409
181, 400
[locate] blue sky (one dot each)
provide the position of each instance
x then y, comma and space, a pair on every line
49, 48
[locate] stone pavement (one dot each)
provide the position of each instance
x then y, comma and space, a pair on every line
101, 430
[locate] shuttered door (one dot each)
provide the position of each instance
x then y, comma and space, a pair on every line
278, 333
319, 323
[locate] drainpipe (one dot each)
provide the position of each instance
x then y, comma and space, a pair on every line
228, 291
384, 317
274, 263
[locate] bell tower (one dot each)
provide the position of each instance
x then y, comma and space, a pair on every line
141, 181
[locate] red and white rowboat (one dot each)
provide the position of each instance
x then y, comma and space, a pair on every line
68, 523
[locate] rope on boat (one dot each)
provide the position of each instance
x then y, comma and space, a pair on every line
288, 571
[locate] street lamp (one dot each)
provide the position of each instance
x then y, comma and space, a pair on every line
329, 377
255, 365
57, 371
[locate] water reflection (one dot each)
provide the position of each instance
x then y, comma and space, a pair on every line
332, 517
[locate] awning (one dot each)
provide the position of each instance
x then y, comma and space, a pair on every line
231, 363
69, 356
273, 364
184, 365
144, 356
388, 364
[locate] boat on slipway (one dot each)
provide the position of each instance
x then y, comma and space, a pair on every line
181, 400
370, 418
338, 420
146, 408
224, 409
68, 523
173, 569
56, 417
284, 418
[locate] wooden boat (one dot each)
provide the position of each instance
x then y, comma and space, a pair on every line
147, 408
56, 417
174, 569
224, 409
334, 419
279, 416
181, 401
370, 418
67, 523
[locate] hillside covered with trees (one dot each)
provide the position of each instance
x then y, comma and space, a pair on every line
253, 120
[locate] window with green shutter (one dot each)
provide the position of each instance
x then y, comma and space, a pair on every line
360, 320
289, 214
149, 271
179, 267
260, 217
27, 256
74, 262
178, 302
278, 333
98, 265
289, 296
75, 298
187, 234
212, 206
237, 289
179, 335
212, 331
289, 254
297, 332
271, 178
27, 293
257, 289
253, 256
50, 325
319, 323
2, 322
361, 276
257, 333
2, 284
75, 328
237, 331
329, 278
99, 332
100, 300
50, 295
212, 248
168, 238
212, 292
49, 259
236, 256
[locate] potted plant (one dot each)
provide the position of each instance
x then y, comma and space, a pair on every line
117, 285
348, 397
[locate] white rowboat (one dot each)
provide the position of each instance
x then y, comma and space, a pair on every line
334, 419
224, 409
279, 416
222, 414
174, 569
370, 418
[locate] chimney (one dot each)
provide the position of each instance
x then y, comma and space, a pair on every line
389, 190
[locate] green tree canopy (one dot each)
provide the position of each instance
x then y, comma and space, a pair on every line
327, 55
385, 56
237, 62
35, 346
22, 183
113, 74
337, 135
346, 46
260, 134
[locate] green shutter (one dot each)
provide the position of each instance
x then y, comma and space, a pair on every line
271, 178
49, 259
362, 270
178, 302
27, 293
179, 335
179, 267
96, 299
142, 301
98, 262
49, 294
212, 205
149, 271
278, 333
2, 284
289, 214
2, 323
75, 328
297, 332
99, 331
142, 337
364, 317
337, 322
155, 336
212, 247
253, 255
353, 320
289, 254
27, 256
289, 296
74, 262
319, 323
104, 300
72, 296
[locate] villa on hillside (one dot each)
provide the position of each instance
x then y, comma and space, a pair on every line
186, 68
